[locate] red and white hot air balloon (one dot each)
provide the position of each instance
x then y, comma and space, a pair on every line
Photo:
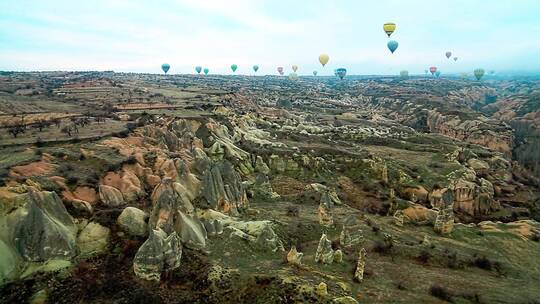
432, 70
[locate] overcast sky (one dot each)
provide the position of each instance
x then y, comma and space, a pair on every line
138, 36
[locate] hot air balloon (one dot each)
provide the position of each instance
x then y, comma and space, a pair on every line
293, 76
234, 67
314, 73
165, 67
432, 70
389, 28
448, 54
323, 59
437, 74
341, 72
255, 68
392, 45
404, 74
455, 58
280, 70
206, 70
478, 73
294, 68
198, 69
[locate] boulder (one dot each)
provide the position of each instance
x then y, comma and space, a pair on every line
294, 257
93, 239
133, 221
345, 300
191, 230
322, 290
419, 214
110, 196
444, 223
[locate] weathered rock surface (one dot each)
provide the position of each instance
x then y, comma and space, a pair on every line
133, 221
222, 189
325, 253
93, 239
111, 196
159, 254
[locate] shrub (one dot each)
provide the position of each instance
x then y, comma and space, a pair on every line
440, 292
482, 262
72, 180
424, 256
382, 247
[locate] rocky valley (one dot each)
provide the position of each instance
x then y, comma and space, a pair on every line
144, 188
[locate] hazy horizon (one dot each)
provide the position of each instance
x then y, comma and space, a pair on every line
129, 36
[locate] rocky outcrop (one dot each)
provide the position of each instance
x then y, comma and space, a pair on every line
259, 233
159, 254
40, 228
491, 134
360, 265
35, 227
351, 234
173, 212
191, 230
294, 257
325, 253
444, 222
418, 214
222, 189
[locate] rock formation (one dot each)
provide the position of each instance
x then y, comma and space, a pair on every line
325, 253
158, 255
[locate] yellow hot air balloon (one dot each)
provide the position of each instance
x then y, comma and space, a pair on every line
323, 59
389, 28
294, 68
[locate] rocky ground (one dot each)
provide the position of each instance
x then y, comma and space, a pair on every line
231, 189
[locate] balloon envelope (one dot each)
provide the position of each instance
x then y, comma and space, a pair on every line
165, 67
432, 70
234, 67
293, 76
206, 71
341, 72
255, 68
198, 69
294, 68
323, 59
455, 58
280, 70
478, 73
448, 54
314, 73
392, 45
389, 28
